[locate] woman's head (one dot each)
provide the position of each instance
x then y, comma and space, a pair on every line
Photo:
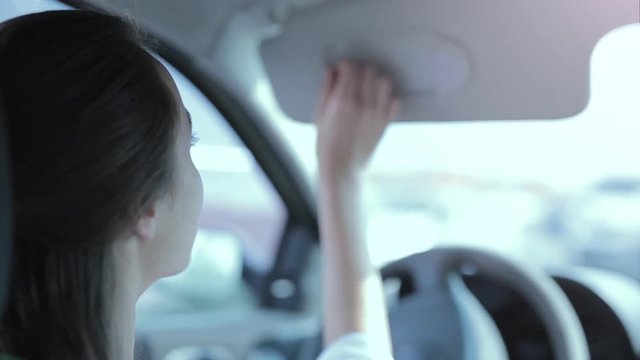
100, 155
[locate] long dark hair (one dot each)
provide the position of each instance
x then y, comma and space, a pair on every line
92, 128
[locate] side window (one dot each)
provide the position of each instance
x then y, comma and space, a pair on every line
242, 220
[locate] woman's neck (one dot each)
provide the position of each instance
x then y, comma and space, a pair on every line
122, 332
127, 288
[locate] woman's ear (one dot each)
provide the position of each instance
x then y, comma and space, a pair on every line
146, 227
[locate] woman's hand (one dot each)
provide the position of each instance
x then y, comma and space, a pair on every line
356, 105
355, 108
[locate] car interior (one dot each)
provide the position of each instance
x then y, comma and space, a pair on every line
503, 206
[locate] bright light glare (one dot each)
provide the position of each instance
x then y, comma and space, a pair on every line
226, 159
393, 235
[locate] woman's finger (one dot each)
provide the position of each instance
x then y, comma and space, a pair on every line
383, 95
358, 73
394, 109
328, 87
369, 87
345, 85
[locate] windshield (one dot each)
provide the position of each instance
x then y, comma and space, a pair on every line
555, 192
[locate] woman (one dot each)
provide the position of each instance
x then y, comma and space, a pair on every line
107, 199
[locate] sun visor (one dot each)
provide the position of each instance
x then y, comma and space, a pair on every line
451, 59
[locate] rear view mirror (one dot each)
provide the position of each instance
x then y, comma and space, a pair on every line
452, 60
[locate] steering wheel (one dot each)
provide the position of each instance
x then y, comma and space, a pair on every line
437, 317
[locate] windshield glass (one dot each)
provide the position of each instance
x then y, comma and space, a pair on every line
556, 192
